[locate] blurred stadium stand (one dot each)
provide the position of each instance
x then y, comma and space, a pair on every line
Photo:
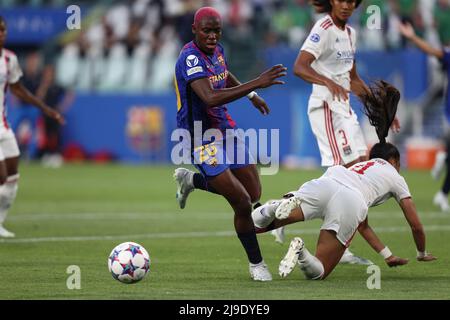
129, 48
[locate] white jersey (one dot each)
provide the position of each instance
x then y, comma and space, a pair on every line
376, 180
10, 72
334, 50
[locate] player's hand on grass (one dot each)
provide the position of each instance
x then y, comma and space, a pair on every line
338, 92
271, 76
427, 257
394, 261
260, 104
395, 126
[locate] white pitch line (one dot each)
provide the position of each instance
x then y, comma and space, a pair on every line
374, 215
175, 235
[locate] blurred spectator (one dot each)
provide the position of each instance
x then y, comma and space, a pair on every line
56, 97
151, 33
281, 21
184, 21
301, 19
133, 38
238, 38
442, 21
165, 49
239, 14
118, 19
407, 12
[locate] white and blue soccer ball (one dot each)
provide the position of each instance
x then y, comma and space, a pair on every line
129, 262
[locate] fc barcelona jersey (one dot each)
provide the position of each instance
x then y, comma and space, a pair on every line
193, 64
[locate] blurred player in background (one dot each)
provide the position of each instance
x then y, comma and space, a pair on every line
442, 160
55, 96
341, 198
204, 86
10, 74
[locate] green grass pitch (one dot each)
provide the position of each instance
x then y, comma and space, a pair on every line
76, 215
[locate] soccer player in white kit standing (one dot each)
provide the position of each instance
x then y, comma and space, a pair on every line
341, 198
327, 60
10, 74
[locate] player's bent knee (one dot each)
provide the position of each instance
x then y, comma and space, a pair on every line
243, 205
256, 195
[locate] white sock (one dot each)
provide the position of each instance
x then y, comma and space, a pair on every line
257, 264
264, 215
190, 178
347, 252
8, 192
310, 265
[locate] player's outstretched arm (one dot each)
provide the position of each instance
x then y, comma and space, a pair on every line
408, 32
303, 69
212, 97
410, 212
370, 236
21, 92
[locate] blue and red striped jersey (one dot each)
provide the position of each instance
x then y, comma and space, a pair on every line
193, 64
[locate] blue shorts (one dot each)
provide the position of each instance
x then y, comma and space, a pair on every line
213, 158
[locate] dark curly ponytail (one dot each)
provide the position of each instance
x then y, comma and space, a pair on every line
380, 106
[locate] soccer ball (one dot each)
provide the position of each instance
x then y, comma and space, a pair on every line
129, 262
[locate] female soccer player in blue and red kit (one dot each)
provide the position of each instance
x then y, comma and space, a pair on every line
204, 85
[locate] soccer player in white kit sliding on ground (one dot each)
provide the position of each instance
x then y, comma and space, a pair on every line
10, 74
341, 198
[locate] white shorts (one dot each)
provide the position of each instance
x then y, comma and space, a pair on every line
341, 208
8, 144
339, 136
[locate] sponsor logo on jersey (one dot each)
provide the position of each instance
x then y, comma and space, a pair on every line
194, 70
315, 38
219, 77
191, 61
221, 60
342, 55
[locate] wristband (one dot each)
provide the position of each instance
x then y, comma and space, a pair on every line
252, 94
385, 253
421, 254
